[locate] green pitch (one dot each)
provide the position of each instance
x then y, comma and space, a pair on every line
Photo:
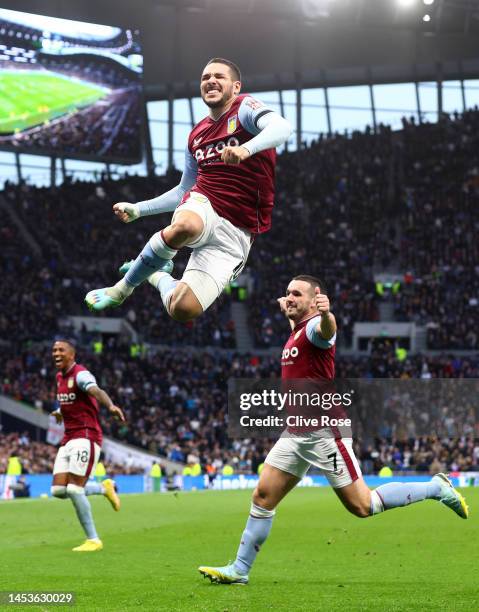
32, 98
318, 557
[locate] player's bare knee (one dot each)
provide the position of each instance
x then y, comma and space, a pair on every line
359, 509
185, 229
262, 498
184, 306
183, 312
362, 512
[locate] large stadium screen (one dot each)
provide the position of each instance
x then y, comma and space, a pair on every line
69, 88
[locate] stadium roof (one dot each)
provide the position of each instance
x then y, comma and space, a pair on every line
289, 43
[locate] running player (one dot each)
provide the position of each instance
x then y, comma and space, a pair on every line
79, 396
224, 198
311, 355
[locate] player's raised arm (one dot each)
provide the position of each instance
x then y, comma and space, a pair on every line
105, 400
167, 202
270, 130
323, 333
87, 383
327, 327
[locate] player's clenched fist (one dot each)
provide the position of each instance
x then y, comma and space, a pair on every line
321, 301
234, 155
126, 212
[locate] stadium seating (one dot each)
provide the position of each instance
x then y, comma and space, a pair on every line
347, 217
401, 201
175, 401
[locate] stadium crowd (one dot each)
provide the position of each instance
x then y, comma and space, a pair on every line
175, 401
346, 213
440, 198
407, 206
428, 455
81, 247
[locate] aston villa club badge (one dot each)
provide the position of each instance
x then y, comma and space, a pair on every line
232, 124
70, 383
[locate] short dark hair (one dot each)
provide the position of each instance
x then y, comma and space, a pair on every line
67, 340
235, 71
314, 281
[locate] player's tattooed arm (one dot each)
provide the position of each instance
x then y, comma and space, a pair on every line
327, 327
282, 305
105, 400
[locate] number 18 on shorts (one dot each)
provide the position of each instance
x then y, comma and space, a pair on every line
78, 456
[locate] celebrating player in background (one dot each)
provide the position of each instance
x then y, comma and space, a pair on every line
79, 396
311, 355
224, 198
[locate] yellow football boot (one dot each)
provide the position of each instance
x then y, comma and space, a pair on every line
450, 497
89, 546
111, 494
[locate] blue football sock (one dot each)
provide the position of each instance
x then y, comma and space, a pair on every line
94, 488
145, 264
165, 284
83, 510
256, 531
397, 494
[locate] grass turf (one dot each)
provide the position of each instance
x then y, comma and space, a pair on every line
30, 98
317, 557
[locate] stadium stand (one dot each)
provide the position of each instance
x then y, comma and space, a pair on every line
334, 180
349, 215
175, 401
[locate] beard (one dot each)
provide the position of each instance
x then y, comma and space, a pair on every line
218, 103
214, 104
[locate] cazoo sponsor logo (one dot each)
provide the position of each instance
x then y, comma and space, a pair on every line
214, 149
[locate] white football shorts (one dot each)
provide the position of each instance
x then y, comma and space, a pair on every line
79, 456
334, 457
219, 254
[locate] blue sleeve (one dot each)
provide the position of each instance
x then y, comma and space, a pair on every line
168, 201
250, 111
314, 337
269, 129
85, 380
190, 172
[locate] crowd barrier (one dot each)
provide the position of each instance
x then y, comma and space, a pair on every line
40, 483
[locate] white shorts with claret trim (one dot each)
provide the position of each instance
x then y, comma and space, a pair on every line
219, 254
78, 456
333, 456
